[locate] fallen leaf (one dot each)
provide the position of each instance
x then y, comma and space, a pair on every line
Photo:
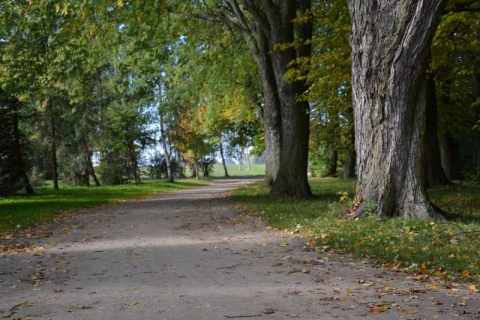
432, 288
407, 311
268, 311
473, 288
378, 309
283, 244
7, 237
131, 303
25, 304
38, 251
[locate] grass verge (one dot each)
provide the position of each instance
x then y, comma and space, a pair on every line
445, 250
21, 211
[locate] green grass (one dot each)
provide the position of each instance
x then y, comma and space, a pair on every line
21, 211
446, 250
234, 171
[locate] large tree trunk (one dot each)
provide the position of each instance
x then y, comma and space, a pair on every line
271, 108
267, 26
435, 174
292, 178
390, 41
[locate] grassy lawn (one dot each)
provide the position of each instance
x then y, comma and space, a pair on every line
23, 211
445, 250
234, 171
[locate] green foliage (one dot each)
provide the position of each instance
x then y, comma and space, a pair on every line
20, 211
112, 168
447, 250
9, 163
157, 167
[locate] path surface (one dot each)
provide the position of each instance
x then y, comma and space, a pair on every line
193, 255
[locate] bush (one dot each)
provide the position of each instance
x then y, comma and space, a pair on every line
158, 167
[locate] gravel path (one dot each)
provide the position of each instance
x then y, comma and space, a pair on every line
194, 255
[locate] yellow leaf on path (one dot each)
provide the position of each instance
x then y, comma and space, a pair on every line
407, 311
432, 288
25, 304
7, 237
378, 309
38, 250
473, 288
131, 303
283, 244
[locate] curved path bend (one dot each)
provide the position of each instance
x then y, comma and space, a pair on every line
194, 255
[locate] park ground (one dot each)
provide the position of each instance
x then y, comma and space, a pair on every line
193, 254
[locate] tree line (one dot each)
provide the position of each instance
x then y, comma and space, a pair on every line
386, 91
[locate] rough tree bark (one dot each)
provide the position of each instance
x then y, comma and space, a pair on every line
269, 29
390, 41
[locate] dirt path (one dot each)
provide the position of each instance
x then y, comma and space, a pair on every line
193, 255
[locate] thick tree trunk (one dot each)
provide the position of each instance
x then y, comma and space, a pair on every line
292, 178
435, 174
269, 26
390, 41
271, 108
